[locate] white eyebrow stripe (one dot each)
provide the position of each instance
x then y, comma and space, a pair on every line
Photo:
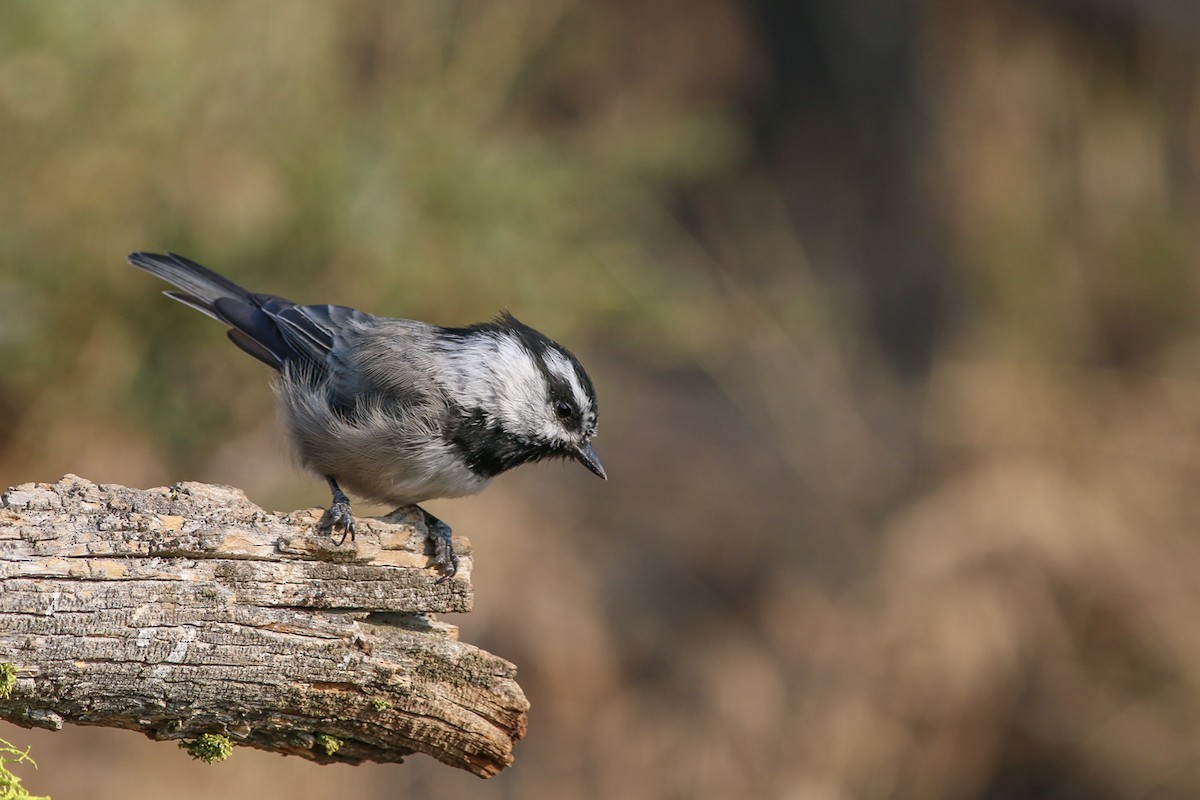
561, 366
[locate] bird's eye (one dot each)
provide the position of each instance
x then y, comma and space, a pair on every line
563, 409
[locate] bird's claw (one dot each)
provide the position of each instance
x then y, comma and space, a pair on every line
339, 514
445, 560
444, 557
339, 517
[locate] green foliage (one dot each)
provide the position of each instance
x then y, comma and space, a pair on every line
10, 784
328, 744
8, 679
209, 748
380, 704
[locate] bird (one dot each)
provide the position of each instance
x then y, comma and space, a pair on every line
399, 411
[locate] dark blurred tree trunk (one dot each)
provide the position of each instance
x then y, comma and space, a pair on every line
843, 128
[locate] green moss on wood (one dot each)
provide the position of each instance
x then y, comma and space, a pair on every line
8, 679
328, 744
209, 748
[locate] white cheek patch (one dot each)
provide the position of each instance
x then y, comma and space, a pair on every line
499, 375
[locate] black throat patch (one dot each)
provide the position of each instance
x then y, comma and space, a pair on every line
487, 448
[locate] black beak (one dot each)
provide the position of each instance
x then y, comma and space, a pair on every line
587, 456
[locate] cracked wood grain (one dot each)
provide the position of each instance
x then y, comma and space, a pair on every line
188, 610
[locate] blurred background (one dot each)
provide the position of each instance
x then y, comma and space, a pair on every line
891, 307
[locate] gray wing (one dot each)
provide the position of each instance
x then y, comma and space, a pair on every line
385, 362
360, 359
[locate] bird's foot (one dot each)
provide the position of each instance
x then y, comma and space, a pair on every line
339, 516
443, 547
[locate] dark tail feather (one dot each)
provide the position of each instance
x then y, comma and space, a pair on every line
253, 330
254, 348
201, 286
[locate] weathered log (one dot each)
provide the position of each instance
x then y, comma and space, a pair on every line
188, 610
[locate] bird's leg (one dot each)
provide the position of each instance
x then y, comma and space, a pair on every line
443, 547
339, 512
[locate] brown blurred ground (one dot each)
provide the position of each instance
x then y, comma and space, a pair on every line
891, 309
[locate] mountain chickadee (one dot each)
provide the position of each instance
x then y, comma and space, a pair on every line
400, 411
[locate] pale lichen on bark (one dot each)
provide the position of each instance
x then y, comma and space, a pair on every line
187, 610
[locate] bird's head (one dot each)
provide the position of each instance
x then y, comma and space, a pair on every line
523, 397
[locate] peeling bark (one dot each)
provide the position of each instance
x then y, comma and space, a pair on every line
188, 610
